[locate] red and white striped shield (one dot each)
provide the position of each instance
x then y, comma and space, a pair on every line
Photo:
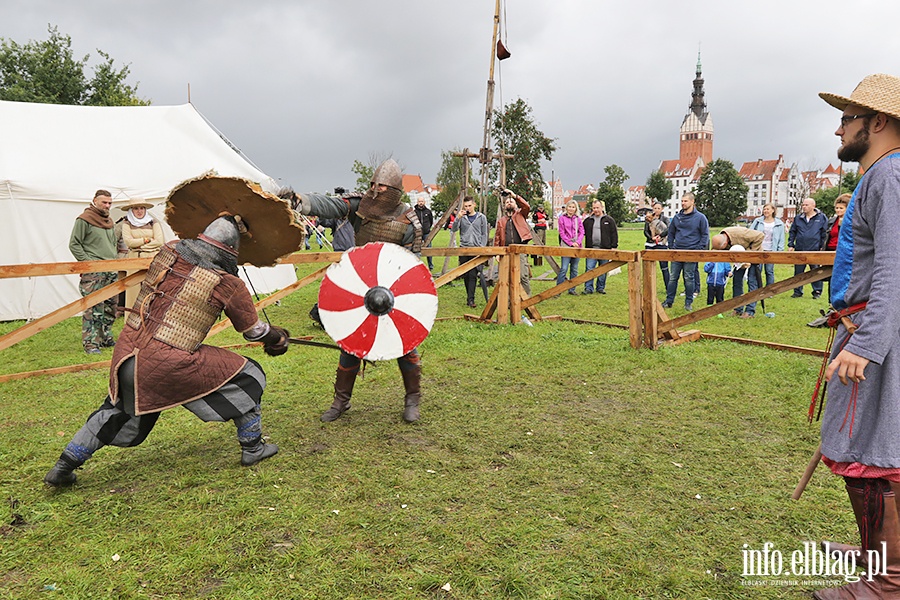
379, 302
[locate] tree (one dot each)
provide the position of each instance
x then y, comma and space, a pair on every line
449, 179
47, 72
658, 187
825, 198
364, 175
612, 194
516, 133
721, 193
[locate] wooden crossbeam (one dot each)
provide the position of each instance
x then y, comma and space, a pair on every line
70, 310
74, 268
571, 283
754, 296
460, 270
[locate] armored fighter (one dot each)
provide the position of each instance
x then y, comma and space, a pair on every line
160, 361
377, 216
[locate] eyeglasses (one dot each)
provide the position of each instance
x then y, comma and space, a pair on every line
847, 118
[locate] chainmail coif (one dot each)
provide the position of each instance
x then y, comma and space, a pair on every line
202, 254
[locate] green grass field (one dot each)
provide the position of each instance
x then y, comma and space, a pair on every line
551, 461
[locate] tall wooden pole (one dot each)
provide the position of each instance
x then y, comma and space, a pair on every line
485, 155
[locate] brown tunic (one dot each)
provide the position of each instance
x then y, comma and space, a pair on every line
166, 376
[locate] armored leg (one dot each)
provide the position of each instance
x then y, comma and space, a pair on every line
411, 370
348, 368
249, 433
110, 425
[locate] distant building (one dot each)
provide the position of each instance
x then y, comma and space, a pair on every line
636, 199
697, 127
695, 147
554, 195
583, 196
415, 189
770, 181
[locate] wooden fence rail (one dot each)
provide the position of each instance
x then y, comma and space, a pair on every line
648, 324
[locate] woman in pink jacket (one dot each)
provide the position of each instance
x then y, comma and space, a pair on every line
571, 234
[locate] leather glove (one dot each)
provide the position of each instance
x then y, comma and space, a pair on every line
275, 343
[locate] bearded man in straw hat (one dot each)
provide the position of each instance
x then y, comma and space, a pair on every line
160, 361
861, 422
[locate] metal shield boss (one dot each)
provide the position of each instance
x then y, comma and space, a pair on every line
379, 302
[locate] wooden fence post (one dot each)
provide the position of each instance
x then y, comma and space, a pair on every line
635, 309
648, 301
503, 283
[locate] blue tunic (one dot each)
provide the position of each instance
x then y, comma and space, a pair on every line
866, 265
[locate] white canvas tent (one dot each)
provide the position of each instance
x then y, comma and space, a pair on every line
53, 158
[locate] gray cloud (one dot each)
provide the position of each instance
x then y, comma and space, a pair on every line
305, 88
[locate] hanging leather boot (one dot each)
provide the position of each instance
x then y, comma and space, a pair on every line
875, 505
411, 370
62, 472
343, 389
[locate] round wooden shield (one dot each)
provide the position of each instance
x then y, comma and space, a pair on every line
379, 302
196, 203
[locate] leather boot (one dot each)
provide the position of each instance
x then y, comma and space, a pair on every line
343, 389
835, 548
256, 451
62, 472
411, 382
885, 582
858, 510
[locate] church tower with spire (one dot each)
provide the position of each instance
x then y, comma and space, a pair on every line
697, 127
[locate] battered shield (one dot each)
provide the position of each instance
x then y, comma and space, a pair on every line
379, 302
196, 203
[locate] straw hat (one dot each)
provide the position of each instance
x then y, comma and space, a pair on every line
136, 203
879, 92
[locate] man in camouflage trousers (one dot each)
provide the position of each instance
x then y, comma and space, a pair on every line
93, 238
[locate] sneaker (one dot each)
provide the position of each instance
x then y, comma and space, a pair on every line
590, 291
816, 295
688, 308
601, 291
796, 295
471, 304
667, 305
573, 293
92, 350
747, 316
737, 313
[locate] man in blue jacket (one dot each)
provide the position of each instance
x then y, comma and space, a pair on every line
688, 230
808, 234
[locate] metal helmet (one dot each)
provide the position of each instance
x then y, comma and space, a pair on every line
388, 173
384, 205
225, 231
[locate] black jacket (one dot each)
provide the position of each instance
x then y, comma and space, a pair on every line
426, 218
609, 235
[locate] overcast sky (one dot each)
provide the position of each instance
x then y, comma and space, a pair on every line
306, 87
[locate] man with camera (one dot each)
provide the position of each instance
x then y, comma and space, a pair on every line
513, 228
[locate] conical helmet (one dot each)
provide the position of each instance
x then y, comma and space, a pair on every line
388, 173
